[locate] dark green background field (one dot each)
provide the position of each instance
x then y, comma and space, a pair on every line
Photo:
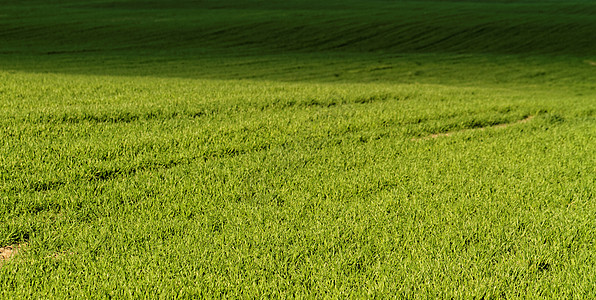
319, 149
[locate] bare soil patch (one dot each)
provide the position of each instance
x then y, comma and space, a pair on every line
8, 252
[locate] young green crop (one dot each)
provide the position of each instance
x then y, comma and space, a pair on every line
288, 165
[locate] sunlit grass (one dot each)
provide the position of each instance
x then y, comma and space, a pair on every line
213, 167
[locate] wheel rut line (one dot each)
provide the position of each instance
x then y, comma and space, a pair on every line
446, 134
108, 174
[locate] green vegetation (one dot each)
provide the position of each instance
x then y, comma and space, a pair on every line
243, 149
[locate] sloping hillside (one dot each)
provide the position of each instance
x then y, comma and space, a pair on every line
197, 27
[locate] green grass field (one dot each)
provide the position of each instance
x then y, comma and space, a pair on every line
298, 149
